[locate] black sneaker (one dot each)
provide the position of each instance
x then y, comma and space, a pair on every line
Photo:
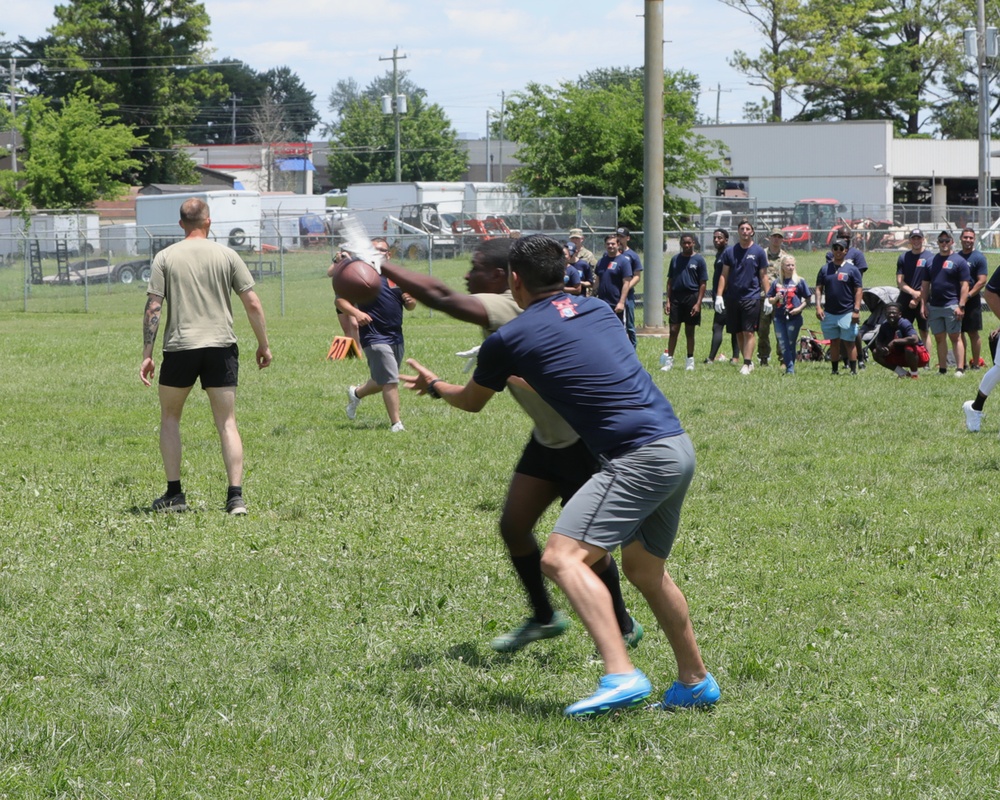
170, 503
236, 506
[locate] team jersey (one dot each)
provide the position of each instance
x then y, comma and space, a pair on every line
745, 265
636, 264
852, 256
912, 267
945, 276
611, 274
839, 285
793, 294
977, 267
574, 352
687, 274
572, 276
386, 312
887, 333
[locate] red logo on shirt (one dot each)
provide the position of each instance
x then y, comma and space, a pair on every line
565, 308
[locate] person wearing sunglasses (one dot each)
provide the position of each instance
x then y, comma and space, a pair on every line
838, 306
943, 294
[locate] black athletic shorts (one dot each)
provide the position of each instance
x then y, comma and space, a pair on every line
743, 315
215, 366
569, 467
680, 310
973, 318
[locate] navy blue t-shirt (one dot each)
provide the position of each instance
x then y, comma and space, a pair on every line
993, 284
636, 264
572, 276
977, 267
386, 312
744, 270
912, 267
611, 274
574, 352
716, 274
793, 295
687, 274
839, 286
945, 276
903, 330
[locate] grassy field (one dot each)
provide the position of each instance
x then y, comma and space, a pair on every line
839, 551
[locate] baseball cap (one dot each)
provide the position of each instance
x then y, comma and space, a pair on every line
571, 247
622, 231
840, 243
574, 232
778, 232
916, 232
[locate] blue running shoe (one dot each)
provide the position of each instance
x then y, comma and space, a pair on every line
613, 691
701, 695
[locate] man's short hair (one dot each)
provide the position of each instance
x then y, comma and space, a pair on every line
969, 229
539, 261
723, 231
896, 306
745, 221
611, 236
194, 211
495, 253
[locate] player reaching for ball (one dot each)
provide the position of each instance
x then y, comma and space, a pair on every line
574, 353
554, 464
380, 329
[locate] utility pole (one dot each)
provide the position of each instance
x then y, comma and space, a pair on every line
718, 99
396, 105
503, 99
652, 196
234, 99
13, 112
984, 116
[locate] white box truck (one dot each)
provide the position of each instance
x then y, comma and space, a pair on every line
236, 218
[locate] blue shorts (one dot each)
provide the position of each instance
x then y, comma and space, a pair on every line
636, 496
839, 326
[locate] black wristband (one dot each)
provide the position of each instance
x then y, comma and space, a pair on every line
432, 391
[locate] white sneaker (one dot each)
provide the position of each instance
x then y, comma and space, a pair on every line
666, 363
353, 401
722, 359
689, 364
746, 369
973, 418
397, 427
959, 373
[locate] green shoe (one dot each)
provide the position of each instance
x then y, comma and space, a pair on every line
530, 631
634, 636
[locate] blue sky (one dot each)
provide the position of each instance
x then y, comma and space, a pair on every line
463, 52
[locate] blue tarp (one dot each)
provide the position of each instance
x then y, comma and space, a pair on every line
295, 164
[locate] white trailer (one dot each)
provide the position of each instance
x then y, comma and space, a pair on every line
236, 217
80, 232
11, 238
119, 239
280, 216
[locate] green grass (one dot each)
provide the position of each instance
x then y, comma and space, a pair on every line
838, 550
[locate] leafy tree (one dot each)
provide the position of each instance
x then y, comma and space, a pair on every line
586, 137
362, 144
136, 54
74, 156
347, 91
776, 21
284, 88
213, 123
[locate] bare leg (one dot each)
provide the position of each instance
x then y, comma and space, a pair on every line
390, 396
958, 345
941, 342
223, 401
171, 406
567, 562
669, 606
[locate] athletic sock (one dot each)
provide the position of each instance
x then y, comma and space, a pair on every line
174, 487
748, 362
853, 365
529, 570
609, 577
942, 370
980, 401
234, 491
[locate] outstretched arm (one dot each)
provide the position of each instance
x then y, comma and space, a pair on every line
471, 397
437, 295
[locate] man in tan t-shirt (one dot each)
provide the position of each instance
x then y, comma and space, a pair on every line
195, 277
554, 464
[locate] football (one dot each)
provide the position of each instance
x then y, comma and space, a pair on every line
356, 281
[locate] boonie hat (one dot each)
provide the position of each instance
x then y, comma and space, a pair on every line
574, 232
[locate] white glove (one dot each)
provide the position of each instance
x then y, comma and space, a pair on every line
768, 308
470, 356
720, 305
357, 242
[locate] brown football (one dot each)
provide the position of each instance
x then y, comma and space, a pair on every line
356, 281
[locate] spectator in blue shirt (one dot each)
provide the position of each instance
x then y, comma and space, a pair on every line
943, 295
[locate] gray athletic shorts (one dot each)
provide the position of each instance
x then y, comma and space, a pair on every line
384, 361
941, 319
635, 497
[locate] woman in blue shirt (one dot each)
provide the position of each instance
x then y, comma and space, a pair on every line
789, 295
